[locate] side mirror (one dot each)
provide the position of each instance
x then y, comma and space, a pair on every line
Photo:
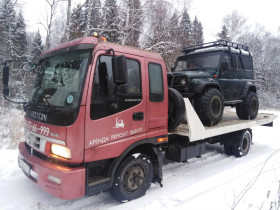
172, 69
29, 66
6, 73
119, 66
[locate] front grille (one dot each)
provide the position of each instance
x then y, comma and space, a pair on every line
32, 140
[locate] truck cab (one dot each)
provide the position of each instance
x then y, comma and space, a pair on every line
85, 115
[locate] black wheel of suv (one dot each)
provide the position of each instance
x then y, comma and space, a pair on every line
133, 178
249, 108
210, 107
176, 109
243, 143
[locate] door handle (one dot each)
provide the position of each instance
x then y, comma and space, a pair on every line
138, 116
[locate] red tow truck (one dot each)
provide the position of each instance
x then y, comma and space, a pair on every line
98, 120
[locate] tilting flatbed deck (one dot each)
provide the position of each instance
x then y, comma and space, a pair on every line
195, 130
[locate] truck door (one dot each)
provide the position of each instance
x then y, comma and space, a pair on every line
157, 98
114, 117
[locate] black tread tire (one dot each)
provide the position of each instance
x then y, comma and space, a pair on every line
242, 144
176, 109
204, 107
143, 164
228, 149
249, 108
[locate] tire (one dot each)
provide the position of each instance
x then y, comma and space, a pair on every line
176, 109
242, 144
248, 110
228, 149
210, 107
133, 178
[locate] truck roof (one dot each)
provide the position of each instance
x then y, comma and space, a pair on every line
91, 42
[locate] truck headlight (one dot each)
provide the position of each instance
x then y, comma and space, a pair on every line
61, 151
183, 81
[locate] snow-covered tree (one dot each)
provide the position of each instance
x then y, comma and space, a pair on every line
223, 34
132, 21
235, 23
111, 26
197, 32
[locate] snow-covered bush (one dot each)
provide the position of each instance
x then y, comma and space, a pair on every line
11, 127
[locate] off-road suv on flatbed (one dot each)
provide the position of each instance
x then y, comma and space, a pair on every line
216, 74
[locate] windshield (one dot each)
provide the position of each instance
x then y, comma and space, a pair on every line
60, 79
202, 61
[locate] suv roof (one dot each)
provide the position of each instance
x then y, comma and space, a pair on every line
217, 45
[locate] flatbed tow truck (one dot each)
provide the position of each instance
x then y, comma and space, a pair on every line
98, 120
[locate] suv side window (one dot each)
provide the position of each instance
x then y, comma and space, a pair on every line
155, 82
247, 62
104, 101
236, 62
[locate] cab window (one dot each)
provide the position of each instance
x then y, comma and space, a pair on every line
104, 100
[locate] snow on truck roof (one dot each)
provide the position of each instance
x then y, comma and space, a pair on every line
99, 43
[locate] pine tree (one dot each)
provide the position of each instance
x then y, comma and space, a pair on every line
111, 26
76, 25
8, 23
37, 47
186, 28
20, 38
223, 34
197, 32
132, 22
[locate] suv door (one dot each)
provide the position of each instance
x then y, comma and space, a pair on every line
231, 77
115, 118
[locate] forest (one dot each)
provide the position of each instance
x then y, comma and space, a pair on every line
162, 26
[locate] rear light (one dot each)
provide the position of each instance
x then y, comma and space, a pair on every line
61, 151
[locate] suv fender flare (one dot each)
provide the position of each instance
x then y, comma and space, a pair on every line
198, 85
250, 86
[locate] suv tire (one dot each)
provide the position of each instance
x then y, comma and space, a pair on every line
210, 107
249, 108
176, 109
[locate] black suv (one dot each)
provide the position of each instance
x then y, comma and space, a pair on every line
216, 74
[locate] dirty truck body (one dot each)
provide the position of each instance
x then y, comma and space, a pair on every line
90, 129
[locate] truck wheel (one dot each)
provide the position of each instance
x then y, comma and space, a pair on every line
133, 178
176, 109
242, 144
249, 108
228, 149
210, 106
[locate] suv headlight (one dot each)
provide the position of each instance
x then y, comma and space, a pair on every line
183, 81
61, 151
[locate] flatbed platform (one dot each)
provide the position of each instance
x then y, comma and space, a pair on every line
195, 130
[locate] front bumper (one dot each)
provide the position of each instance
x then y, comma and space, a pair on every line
72, 180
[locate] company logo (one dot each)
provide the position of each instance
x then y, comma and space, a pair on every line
119, 123
39, 116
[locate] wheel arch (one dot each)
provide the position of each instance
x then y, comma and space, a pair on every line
199, 85
249, 87
147, 148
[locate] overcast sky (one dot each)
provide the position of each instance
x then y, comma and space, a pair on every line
209, 12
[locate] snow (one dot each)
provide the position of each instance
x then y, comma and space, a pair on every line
214, 181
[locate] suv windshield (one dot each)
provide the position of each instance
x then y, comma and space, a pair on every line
203, 61
60, 79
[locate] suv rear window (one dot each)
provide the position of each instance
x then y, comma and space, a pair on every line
247, 62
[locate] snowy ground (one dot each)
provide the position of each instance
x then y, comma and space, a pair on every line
214, 181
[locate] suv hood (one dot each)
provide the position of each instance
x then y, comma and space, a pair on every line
192, 74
